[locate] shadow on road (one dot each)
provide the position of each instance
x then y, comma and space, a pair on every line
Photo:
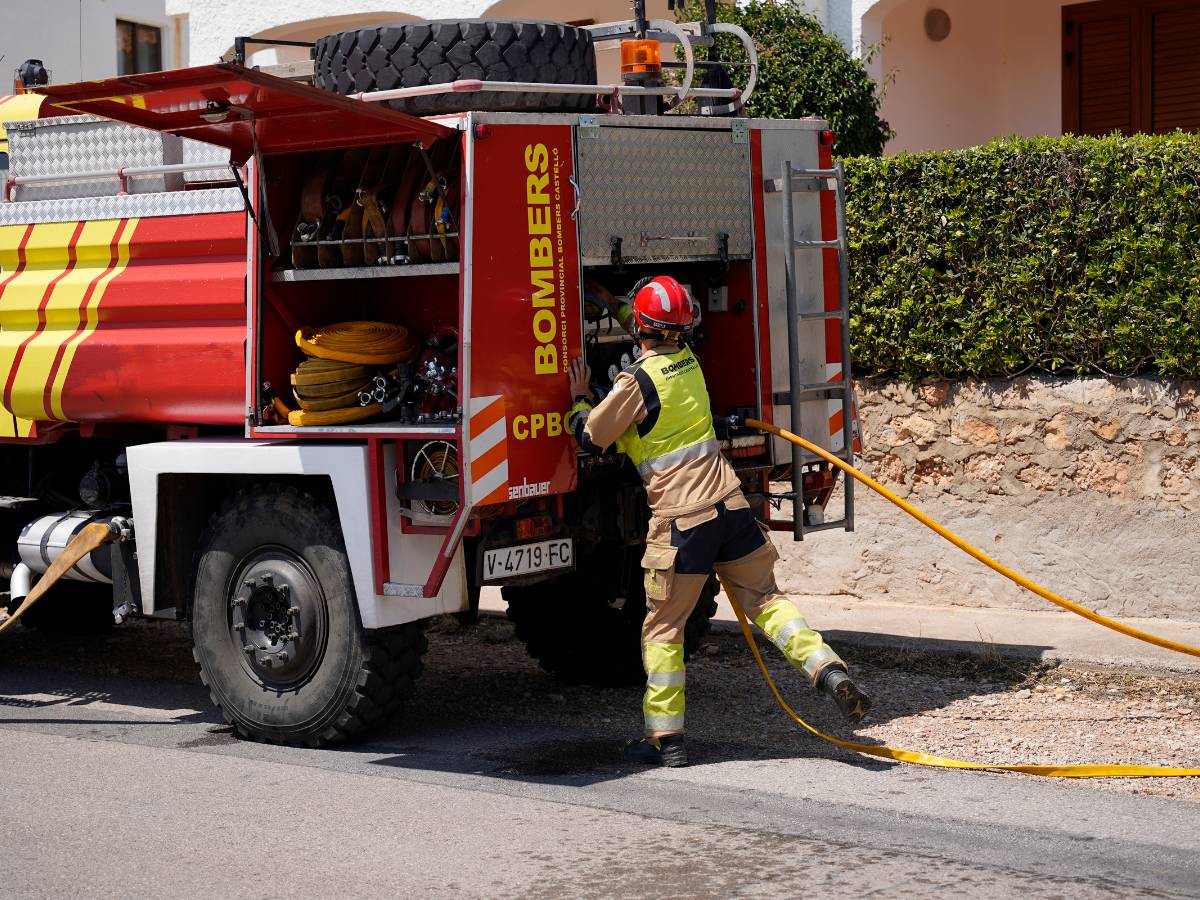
483, 707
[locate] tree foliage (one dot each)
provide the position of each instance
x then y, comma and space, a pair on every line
803, 72
1069, 255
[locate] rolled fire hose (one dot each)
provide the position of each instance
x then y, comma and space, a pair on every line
359, 343
88, 539
925, 759
365, 343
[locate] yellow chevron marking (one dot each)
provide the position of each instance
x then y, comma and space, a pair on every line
47, 259
92, 315
11, 426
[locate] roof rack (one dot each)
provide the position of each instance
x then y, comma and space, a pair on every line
686, 35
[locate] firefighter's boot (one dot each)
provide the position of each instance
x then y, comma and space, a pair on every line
664, 751
836, 683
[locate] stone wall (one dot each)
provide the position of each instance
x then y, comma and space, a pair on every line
1090, 487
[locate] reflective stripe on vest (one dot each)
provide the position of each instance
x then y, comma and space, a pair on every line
680, 420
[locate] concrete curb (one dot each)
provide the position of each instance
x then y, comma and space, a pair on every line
1052, 635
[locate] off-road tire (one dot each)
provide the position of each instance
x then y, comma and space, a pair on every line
413, 54
568, 626
358, 680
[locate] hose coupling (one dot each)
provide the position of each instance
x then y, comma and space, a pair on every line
121, 528
124, 611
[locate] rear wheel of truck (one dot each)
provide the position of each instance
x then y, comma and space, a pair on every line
575, 631
276, 630
415, 54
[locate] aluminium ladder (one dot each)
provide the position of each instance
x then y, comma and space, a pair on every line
817, 180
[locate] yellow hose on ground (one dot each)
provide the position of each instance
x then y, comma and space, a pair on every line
972, 550
88, 539
365, 343
942, 762
925, 759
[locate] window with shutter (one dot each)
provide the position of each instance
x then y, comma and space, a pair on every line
1106, 76
1175, 73
1131, 66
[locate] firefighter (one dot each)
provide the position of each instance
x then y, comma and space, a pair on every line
658, 415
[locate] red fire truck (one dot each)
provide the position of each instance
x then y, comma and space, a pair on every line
185, 255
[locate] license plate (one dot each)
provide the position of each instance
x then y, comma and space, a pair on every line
523, 559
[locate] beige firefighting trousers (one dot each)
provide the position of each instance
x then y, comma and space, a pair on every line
681, 553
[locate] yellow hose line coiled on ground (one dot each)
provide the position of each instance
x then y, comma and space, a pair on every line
972, 550
365, 343
942, 762
925, 759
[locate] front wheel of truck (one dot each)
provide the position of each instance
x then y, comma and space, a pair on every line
276, 630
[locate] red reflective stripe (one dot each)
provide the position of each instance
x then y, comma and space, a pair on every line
113, 255
41, 326
20, 259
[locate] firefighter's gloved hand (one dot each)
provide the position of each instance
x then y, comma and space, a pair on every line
581, 377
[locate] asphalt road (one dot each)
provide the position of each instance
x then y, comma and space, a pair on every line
115, 785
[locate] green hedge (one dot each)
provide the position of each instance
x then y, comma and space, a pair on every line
1068, 255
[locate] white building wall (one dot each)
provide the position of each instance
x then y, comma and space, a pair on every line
76, 40
997, 73
209, 26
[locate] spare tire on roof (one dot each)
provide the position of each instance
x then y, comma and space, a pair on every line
414, 54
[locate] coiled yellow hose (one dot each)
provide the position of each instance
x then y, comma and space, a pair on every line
359, 343
365, 343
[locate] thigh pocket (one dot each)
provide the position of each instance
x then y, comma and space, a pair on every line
772, 550
659, 563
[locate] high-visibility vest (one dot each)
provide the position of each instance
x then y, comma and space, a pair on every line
678, 426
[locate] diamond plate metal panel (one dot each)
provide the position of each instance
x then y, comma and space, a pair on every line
666, 193
72, 144
122, 206
200, 152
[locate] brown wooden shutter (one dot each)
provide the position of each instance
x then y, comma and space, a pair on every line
1131, 66
1101, 63
1175, 70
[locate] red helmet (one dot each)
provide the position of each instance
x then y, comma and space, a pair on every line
663, 304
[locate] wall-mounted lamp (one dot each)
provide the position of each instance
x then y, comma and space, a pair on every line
937, 24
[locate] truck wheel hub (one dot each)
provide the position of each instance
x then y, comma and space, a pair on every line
278, 617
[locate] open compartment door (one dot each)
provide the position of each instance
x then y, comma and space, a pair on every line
523, 314
242, 109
